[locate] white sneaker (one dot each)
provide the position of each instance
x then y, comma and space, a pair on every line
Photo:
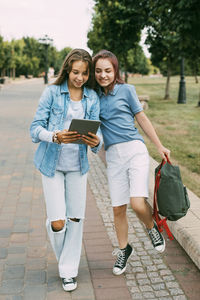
69, 284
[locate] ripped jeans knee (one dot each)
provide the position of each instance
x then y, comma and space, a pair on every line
74, 219
57, 225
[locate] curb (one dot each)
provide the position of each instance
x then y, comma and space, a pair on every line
187, 229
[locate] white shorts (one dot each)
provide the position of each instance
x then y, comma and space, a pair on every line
128, 171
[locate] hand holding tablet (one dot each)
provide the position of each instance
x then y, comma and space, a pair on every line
83, 127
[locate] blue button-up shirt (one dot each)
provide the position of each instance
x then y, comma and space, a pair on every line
50, 114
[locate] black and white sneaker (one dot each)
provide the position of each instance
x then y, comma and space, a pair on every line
122, 258
157, 239
69, 284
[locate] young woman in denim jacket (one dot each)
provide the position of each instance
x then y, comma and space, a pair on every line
64, 164
126, 154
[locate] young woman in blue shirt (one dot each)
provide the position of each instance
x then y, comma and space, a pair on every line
64, 164
126, 154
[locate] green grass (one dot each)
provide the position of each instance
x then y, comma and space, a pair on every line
177, 125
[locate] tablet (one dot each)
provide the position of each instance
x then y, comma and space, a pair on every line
84, 126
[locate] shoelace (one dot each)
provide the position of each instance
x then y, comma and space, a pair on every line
120, 257
69, 280
155, 236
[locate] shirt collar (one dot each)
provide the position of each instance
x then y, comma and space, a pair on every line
113, 92
64, 89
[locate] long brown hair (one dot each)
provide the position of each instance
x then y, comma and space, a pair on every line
114, 61
72, 56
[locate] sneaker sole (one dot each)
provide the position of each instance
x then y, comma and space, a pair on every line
68, 289
161, 251
124, 269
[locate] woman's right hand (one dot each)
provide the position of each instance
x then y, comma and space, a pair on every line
67, 137
164, 152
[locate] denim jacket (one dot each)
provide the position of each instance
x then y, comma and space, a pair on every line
50, 114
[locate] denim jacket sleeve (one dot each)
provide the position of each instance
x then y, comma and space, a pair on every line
41, 118
94, 115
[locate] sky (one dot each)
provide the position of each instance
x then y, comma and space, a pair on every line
65, 21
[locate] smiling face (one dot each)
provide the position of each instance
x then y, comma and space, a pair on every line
104, 73
79, 74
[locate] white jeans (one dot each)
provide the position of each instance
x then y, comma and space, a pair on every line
65, 197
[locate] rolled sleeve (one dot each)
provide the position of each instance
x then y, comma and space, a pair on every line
41, 118
98, 147
94, 115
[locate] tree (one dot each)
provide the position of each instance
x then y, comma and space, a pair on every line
2, 55
162, 37
137, 61
32, 52
164, 53
173, 32
187, 20
116, 25
61, 56
9, 59
26, 56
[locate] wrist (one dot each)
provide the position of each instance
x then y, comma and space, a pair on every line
55, 137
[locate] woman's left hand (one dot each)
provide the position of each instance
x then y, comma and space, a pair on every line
91, 139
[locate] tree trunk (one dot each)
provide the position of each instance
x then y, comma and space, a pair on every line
167, 96
126, 76
125, 68
198, 104
195, 73
13, 73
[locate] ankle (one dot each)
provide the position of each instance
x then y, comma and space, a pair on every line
123, 246
150, 226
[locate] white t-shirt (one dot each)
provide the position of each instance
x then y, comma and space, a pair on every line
69, 154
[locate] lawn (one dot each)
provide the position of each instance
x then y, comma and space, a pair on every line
177, 125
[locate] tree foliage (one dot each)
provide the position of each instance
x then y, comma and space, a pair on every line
116, 26
137, 61
173, 33
27, 56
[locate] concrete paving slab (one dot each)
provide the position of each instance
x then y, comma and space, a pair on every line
149, 275
28, 268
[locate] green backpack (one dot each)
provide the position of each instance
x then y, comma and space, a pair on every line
170, 195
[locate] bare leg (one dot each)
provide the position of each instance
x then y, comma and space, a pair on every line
144, 213
121, 225
142, 210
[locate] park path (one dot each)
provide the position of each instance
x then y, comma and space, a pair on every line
28, 269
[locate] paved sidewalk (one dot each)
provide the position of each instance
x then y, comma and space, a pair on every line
150, 275
28, 269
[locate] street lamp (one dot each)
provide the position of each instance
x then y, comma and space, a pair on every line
46, 41
182, 90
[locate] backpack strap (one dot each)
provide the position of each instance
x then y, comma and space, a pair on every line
161, 223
